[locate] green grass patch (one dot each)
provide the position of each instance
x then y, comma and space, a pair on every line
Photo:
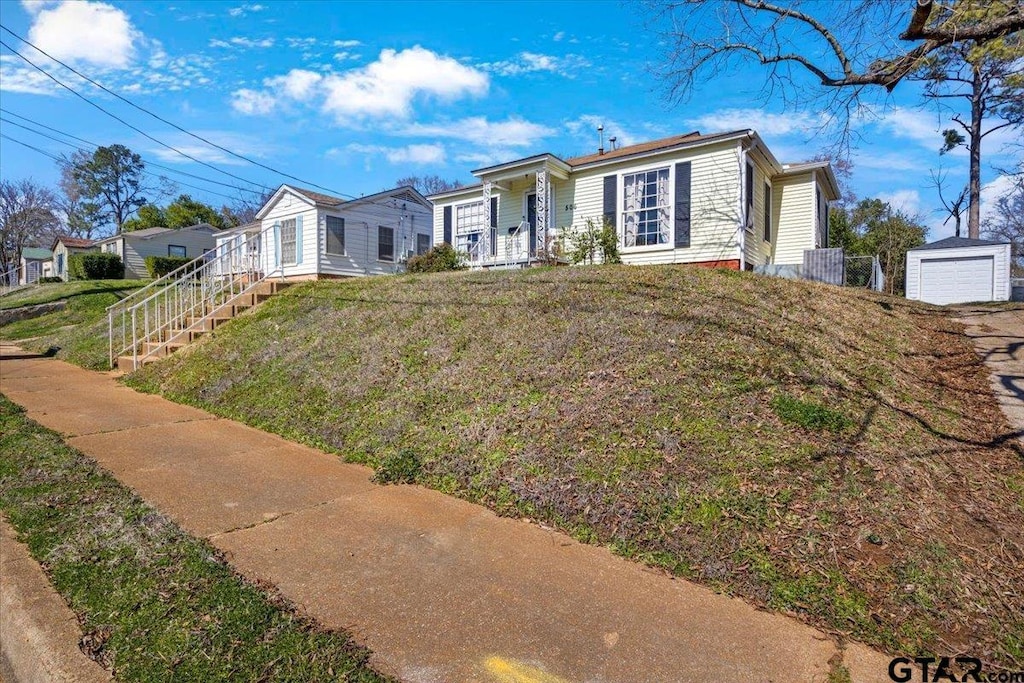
809, 415
80, 330
155, 604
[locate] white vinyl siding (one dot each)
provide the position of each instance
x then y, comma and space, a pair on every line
959, 275
793, 197
362, 223
134, 250
757, 250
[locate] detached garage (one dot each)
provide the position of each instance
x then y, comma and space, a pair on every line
959, 270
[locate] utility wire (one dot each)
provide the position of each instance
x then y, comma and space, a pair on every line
117, 118
170, 123
64, 161
94, 145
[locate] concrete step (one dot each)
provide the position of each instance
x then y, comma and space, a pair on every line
125, 364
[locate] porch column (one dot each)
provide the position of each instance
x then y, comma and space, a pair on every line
542, 212
485, 238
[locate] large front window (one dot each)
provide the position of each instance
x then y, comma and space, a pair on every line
469, 226
646, 214
288, 242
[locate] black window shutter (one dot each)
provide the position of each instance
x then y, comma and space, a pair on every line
610, 186
750, 185
494, 212
767, 213
448, 224
682, 205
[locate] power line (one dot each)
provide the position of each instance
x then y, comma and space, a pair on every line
117, 118
170, 123
93, 144
64, 161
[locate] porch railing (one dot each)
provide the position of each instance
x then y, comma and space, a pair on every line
166, 310
10, 280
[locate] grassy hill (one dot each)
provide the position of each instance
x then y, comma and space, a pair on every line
829, 453
80, 329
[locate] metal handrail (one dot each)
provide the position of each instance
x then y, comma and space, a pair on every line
186, 301
10, 280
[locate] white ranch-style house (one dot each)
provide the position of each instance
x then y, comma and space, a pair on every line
719, 200
302, 234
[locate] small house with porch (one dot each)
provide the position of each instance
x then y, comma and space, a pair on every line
720, 200
66, 246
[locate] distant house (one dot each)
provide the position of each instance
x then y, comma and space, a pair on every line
65, 246
33, 261
720, 200
134, 247
301, 234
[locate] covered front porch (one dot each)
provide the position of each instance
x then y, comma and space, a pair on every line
512, 221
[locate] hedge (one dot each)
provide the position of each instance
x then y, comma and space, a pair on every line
49, 280
158, 266
95, 266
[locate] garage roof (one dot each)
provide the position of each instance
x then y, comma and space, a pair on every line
957, 243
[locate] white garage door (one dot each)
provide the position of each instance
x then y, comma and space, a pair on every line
957, 280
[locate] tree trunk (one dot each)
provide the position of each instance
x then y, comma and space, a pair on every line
974, 188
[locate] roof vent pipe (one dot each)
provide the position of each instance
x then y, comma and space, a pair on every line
611, 141
600, 135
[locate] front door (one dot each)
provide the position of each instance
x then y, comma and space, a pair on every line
531, 218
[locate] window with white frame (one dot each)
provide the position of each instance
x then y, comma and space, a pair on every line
335, 242
385, 243
469, 226
176, 250
647, 218
288, 242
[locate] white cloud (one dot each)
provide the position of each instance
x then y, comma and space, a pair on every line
922, 127
242, 144
510, 133
907, 201
252, 42
297, 84
33, 7
17, 76
346, 43
533, 62
252, 102
242, 10
763, 122
558, 36
585, 128
416, 155
992, 191
388, 86
92, 32
345, 56
301, 43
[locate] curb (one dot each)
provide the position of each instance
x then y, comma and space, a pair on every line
39, 634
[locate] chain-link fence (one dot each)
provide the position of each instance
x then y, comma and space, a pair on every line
863, 271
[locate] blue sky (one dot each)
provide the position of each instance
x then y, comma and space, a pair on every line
352, 96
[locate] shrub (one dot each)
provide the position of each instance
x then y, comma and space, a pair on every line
809, 415
95, 266
399, 468
49, 280
438, 259
158, 266
593, 240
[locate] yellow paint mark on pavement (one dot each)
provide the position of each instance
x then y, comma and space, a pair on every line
511, 671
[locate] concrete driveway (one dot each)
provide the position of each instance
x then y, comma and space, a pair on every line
998, 335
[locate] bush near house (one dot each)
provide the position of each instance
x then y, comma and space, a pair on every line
49, 280
158, 266
438, 259
95, 266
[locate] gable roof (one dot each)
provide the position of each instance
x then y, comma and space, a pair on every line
72, 242
640, 148
36, 253
406, 193
957, 243
317, 197
144, 233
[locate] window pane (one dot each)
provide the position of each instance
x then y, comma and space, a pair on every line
175, 250
385, 243
288, 242
335, 235
647, 212
422, 244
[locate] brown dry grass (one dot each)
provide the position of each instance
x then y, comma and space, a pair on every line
830, 453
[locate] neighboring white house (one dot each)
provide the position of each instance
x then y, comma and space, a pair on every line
959, 270
718, 200
303, 234
65, 246
134, 247
33, 261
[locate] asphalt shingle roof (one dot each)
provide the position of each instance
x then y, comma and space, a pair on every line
957, 243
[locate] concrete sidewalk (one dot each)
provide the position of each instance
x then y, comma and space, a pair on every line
998, 336
439, 589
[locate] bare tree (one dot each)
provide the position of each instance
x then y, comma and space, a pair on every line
428, 184
844, 46
245, 208
953, 205
1006, 222
27, 218
80, 217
